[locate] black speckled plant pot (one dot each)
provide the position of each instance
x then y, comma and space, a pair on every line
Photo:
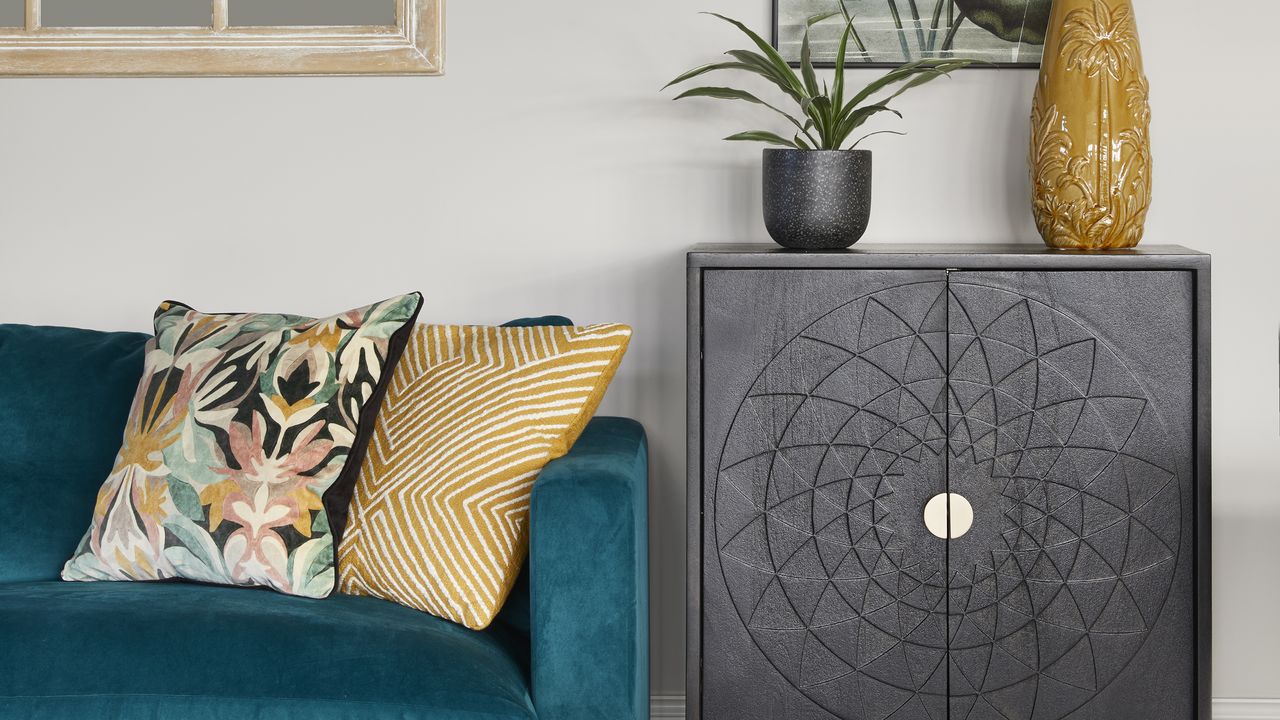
817, 199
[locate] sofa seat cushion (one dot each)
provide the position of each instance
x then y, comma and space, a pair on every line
176, 650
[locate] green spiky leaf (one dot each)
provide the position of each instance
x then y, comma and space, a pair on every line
904, 73
727, 93
703, 70
760, 65
858, 142
824, 112
767, 49
765, 137
806, 57
860, 116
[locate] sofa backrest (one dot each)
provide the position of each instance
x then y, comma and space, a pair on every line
63, 408
63, 405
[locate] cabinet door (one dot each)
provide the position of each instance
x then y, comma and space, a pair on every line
824, 408
1070, 415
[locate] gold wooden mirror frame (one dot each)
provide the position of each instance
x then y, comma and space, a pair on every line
413, 46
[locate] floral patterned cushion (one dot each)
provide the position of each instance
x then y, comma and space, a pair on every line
242, 447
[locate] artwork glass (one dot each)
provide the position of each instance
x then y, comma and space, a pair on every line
892, 32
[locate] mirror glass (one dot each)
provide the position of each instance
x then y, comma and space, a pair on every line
13, 13
312, 12
125, 13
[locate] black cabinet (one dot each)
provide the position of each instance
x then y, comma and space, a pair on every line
1054, 409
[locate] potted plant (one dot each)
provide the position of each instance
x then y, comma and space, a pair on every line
817, 193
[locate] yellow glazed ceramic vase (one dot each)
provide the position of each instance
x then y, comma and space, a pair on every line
1090, 146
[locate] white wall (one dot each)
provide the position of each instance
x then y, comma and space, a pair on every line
545, 173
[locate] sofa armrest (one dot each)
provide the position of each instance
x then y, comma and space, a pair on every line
589, 578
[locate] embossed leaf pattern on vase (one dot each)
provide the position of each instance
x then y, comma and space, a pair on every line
1090, 143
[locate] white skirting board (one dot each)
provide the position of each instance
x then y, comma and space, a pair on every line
1229, 709
672, 706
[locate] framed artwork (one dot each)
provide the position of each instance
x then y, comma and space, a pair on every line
221, 37
887, 33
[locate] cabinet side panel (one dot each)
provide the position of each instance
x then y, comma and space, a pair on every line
823, 432
1072, 412
693, 495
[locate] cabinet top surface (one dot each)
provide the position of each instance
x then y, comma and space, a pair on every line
944, 255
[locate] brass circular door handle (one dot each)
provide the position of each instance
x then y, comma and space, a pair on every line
948, 522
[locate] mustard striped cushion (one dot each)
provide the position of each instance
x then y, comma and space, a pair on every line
439, 519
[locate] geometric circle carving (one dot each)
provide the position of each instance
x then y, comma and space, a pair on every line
927, 388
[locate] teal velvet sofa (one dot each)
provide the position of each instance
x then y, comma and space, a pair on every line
571, 643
